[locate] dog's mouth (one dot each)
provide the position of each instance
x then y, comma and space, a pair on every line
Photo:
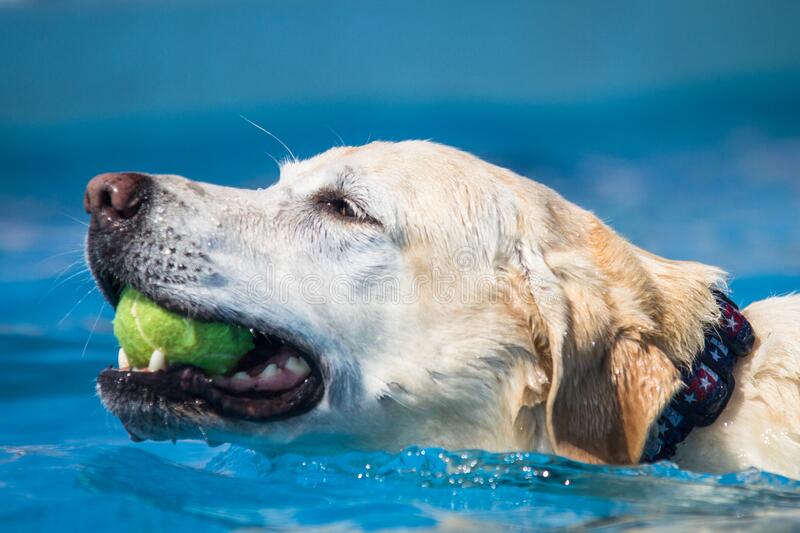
276, 380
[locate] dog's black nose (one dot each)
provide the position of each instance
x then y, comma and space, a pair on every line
114, 196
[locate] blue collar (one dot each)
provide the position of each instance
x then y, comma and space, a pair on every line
707, 385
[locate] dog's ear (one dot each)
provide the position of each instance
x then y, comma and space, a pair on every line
615, 340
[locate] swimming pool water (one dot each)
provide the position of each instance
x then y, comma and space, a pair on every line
90, 478
65, 464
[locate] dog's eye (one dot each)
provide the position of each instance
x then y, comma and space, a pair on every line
344, 208
341, 207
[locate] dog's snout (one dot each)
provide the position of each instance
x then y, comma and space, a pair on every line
114, 196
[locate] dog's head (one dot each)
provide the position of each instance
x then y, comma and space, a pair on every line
435, 299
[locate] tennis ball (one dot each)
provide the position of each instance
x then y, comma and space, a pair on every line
142, 327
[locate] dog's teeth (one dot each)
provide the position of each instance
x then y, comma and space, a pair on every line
240, 376
158, 361
122, 360
271, 370
298, 366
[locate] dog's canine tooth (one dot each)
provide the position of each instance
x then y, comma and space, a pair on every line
158, 361
122, 360
241, 376
297, 365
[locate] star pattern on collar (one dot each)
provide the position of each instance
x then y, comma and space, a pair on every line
730, 323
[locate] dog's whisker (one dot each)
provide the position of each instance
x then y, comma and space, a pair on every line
58, 284
285, 147
336, 133
72, 251
278, 163
81, 222
68, 268
76, 305
94, 327
63, 272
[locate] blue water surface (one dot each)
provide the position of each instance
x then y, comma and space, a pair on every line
679, 127
66, 464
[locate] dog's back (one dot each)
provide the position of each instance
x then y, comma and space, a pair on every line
766, 401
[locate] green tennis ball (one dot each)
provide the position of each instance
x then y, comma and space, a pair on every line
142, 326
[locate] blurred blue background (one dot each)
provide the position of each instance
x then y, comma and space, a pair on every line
676, 122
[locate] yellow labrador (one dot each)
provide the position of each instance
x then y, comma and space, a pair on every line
410, 293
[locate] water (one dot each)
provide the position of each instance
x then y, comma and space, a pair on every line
701, 167
135, 488
66, 464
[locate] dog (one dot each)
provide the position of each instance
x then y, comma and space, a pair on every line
422, 296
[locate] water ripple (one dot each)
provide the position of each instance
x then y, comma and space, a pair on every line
128, 487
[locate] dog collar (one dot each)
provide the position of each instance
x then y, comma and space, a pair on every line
707, 385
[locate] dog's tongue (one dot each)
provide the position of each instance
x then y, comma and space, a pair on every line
281, 371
